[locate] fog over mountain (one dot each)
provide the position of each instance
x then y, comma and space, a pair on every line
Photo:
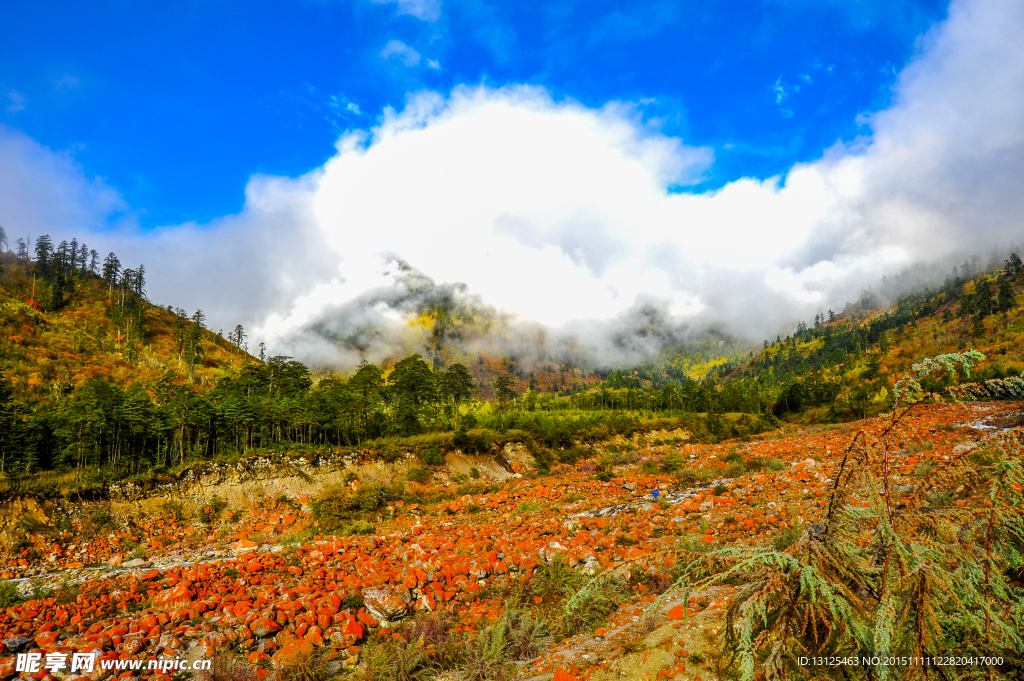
542, 218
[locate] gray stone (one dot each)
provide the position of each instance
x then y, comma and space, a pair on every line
17, 642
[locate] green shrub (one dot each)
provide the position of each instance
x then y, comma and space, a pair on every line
733, 457
672, 462
337, 505
420, 475
735, 470
786, 537
389, 452
217, 504
492, 654
759, 463
940, 498
476, 440
432, 457
542, 460
613, 458
102, 520
571, 455
358, 527
68, 593
474, 473
9, 595
719, 490
212, 510
591, 604
689, 477
174, 510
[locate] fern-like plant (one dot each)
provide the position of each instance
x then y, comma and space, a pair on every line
906, 579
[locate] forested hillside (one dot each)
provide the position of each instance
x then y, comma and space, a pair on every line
844, 366
95, 378
98, 381
84, 357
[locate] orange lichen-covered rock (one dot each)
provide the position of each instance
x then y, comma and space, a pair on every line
175, 596
384, 605
264, 627
46, 639
291, 651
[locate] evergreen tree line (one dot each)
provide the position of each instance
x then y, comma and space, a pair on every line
99, 424
130, 430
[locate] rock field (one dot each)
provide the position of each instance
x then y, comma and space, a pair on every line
261, 581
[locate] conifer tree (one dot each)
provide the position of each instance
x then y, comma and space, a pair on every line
456, 384
7, 424
1013, 265
111, 271
504, 388
1007, 300
194, 352
44, 256
238, 336
61, 261
180, 333
412, 388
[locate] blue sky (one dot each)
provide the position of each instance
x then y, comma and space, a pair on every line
176, 105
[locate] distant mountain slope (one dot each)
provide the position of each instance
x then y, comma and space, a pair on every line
46, 352
847, 363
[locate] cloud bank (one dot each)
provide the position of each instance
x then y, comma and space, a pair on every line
578, 219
